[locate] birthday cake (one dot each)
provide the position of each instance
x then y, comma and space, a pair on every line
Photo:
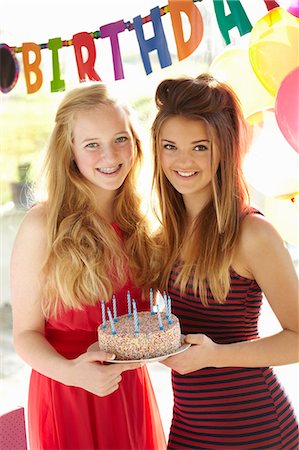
155, 336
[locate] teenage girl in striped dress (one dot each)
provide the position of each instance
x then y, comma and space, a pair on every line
220, 256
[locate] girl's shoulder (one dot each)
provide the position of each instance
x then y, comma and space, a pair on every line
34, 221
258, 239
31, 240
257, 232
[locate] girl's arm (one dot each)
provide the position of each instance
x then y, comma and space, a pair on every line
86, 371
264, 258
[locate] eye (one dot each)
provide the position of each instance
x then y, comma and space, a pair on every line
169, 147
92, 146
121, 139
200, 148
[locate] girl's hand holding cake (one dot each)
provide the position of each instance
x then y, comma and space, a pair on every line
89, 372
199, 355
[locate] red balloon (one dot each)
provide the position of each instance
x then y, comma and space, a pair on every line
287, 109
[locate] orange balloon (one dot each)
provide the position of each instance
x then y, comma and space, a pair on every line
226, 67
273, 47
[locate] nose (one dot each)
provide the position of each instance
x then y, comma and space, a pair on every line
109, 153
183, 158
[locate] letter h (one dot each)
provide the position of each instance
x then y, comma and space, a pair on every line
158, 42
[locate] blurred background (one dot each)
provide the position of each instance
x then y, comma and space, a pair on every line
256, 52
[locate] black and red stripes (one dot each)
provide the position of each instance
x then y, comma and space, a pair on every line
228, 408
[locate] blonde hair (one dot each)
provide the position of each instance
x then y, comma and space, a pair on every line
86, 259
215, 232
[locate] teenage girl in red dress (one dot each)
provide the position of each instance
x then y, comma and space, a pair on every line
87, 241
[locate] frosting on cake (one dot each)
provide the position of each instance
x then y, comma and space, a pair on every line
149, 342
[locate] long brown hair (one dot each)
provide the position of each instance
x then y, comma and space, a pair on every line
86, 259
215, 232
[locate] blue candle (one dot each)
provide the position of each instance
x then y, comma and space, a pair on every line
152, 301
169, 310
136, 323
129, 304
165, 304
103, 314
114, 309
111, 321
159, 318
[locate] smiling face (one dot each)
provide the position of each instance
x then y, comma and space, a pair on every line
186, 158
103, 147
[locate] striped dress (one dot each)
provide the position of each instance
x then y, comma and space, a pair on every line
232, 407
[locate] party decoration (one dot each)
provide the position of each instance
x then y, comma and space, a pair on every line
271, 4
284, 215
57, 84
158, 42
135, 315
9, 69
104, 323
226, 67
151, 302
33, 67
184, 48
111, 321
129, 304
169, 310
113, 31
115, 318
287, 108
271, 166
292, 6
85, 67
237, 18
159, 318
165, 304
273, 48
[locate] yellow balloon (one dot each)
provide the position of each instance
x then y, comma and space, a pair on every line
271, 166
273, 47
284, 215
233, 66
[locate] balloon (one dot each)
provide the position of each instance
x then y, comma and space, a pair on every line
284, 215
273, 47
287, 108
271, 166
226, 67
292, 6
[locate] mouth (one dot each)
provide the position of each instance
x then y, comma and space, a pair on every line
185, 174
109, 170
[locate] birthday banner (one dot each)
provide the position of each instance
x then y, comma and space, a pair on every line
84, 43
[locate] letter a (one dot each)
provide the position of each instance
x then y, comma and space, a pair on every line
237, 18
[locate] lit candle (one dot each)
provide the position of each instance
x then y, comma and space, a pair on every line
129, 304
114, 309
159, 318
111, 321
165, 304
152, 301
169, 310
136, 323
104, 324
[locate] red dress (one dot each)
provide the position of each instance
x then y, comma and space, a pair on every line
66, 417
